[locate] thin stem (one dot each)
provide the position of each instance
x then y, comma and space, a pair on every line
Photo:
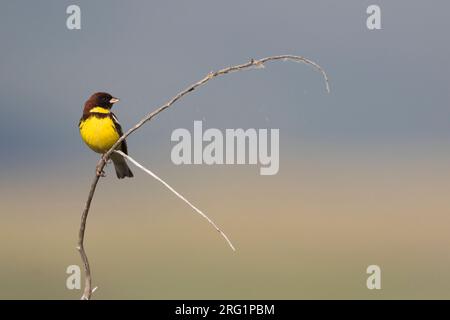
140, 166
87, 270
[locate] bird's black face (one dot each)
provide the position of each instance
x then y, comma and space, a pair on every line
103, 99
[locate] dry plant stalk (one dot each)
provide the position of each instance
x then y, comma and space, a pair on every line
102, 162
140, 166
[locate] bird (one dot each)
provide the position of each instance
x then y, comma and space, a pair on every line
100, 130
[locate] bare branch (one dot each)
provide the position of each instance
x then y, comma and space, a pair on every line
211, 75
101, 164
87, 270
137, 164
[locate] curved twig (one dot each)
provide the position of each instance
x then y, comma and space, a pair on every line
101, 164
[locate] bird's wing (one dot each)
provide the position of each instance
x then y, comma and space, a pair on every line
123, 146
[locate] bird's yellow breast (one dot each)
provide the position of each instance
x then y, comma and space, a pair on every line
99, 133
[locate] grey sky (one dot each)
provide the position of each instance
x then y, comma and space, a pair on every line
389, 86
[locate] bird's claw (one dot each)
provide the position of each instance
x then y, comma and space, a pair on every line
100, 165
100, 173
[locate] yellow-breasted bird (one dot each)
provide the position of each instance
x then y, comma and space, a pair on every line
100, 129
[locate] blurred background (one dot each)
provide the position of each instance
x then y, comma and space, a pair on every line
364, 171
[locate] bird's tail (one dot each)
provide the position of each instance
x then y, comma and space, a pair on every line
121, 166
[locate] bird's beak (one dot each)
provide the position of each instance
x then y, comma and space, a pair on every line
114, 100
